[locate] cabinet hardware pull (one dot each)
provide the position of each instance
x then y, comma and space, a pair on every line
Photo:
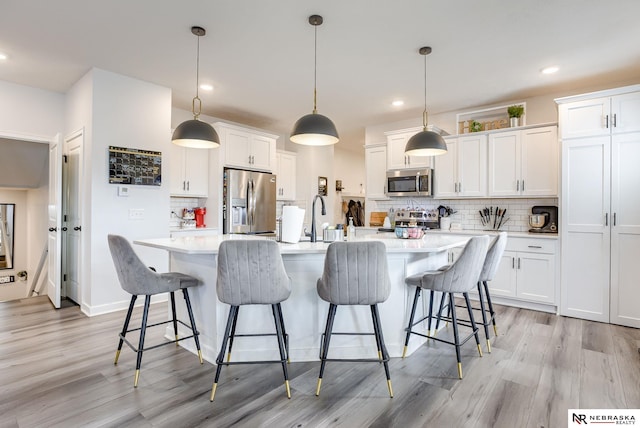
615, 122
517, 185
513, 262
614, 219
460, 187
534, 246
184, 185
606, 219
606, 121
518, 262
523, 185
188, 185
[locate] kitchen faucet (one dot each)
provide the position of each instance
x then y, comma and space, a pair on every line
313, 216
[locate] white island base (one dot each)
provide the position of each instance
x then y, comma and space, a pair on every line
304, 312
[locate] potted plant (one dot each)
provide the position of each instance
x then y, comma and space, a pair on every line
515, 112
475, 126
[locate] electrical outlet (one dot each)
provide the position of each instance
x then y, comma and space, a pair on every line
7, 279
136, 214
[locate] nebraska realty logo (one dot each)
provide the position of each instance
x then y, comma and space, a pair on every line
579, 417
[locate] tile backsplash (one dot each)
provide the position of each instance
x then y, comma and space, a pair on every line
178, 204
467, 215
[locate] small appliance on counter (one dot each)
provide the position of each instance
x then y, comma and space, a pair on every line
425, 219
199, 215
544, 219
188, 219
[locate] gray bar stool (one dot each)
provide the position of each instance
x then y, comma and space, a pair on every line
137, 280
459, 277
489, 269
355, 273
251, 272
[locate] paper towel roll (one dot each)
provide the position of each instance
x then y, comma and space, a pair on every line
292, 219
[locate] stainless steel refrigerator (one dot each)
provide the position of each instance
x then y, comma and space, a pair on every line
248, 202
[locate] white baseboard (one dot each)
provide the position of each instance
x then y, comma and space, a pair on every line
118, 306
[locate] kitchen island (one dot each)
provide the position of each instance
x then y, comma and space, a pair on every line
304, 312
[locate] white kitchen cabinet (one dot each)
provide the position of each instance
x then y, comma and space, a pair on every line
524, 162
246, 148
188, 172
396, 143
600, 208
527, 271
462, 171
375, 158
285, 176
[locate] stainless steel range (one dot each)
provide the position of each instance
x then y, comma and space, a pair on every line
426, 219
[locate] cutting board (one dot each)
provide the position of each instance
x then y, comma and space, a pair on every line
377, 218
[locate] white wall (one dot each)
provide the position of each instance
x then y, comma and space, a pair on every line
117, 110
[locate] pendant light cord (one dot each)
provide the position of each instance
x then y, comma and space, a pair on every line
315, 66
424, 115
197, 98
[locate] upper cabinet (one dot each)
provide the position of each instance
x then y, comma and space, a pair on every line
524, 162
246, 148
396, 159
462, 171
601, 116
188, 172
375, 159
285, 176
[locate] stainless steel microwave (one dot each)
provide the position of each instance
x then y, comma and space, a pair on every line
410, 182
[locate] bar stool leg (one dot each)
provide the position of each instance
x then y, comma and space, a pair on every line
413, 313
491, 311
456, 337
233, 334
143, 329
284, 331
431, 297
193, 323
485, 323
125, 327
377, 328
443, 298
220, 360
325, 345
473, 322
173, 313
281, 346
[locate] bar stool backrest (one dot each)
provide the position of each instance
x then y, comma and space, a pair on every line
461, 276
251, 272
355, 273
494, 255
135, 278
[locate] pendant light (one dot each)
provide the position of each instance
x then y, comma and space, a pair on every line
195, 133
425, 143
314, 129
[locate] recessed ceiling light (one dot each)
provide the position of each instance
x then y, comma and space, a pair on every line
3, 56
550, 70
397, 103
206, 87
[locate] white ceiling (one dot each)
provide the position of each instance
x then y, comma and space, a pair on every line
259, 54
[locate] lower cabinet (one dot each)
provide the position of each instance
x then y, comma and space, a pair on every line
527, 271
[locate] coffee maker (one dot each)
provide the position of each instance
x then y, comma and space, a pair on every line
550, 214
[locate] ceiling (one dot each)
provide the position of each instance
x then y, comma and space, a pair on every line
259, 54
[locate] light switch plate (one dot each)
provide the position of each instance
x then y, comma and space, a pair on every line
123, 191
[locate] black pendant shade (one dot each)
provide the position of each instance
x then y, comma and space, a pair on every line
196, 134
425, 142
314, 130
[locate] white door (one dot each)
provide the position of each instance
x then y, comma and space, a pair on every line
472, 170
625, 230
504, 164
446, 171
54, 217
585, 228
72, 218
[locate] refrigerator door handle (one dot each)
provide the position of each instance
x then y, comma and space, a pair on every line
252, 203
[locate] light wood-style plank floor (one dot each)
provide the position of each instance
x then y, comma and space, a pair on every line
56, 370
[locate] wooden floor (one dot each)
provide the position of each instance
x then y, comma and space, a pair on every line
56, 370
